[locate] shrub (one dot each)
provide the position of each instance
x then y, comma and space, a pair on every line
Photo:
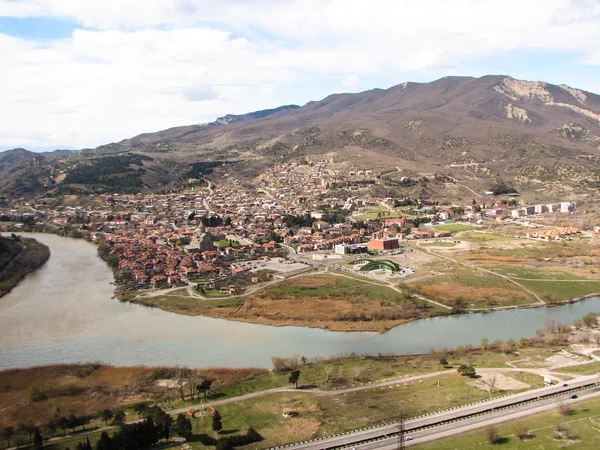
493, 435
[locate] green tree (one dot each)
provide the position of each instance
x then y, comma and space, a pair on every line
217, 423
106, 415
8, 433
183, 426
140, 408
467, 370
63, 423
204, 386
104, 443
38, 441
459, 305
484, 343
119, 418
294, 377
443, 362
27, 428
51, 426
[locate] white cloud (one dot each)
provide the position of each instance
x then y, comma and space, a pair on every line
150, 65
351, 81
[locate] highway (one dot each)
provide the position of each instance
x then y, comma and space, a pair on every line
433, 426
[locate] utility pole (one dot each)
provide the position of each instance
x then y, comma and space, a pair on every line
401, 436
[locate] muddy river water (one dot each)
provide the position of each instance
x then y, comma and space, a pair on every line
64, 313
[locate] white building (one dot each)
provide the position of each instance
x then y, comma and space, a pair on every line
341, 249
567, 207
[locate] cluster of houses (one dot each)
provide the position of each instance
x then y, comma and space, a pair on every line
553, 233
168, 239
150, 258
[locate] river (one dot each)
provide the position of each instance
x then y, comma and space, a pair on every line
63, 313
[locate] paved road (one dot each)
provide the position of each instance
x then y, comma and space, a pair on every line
351, 439
478, 422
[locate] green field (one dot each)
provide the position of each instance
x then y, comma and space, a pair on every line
226, 243
556, 291
382, 215
335, 286
325, 415
535, 274
484, 237
183, 304
455, 227
583, 369
376, 209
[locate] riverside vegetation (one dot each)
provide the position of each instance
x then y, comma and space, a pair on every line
332, 395
18, 257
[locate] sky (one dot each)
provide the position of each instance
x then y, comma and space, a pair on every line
82, 73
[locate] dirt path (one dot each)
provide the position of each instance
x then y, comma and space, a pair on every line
394, 288
465, 187
509, 279
192, 293
551, 372
368, 387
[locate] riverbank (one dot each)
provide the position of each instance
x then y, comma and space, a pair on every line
309, 304
19, 256
319, 300
336, 394
308, 307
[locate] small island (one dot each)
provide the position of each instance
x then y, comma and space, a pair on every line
18, 257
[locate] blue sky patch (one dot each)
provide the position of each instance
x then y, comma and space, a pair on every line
37, 28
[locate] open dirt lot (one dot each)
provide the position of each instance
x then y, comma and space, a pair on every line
501, 382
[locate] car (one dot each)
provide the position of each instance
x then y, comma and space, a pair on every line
565, 385
573, 396
409, 438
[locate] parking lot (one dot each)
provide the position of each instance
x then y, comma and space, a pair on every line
275, 264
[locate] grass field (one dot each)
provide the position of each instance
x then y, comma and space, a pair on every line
226, 243
189, 305
439, 244
382, 215
536, 274
583, 369
321, 286
559, 291
326, 415
329, 301
485, 237
478, 289
455, 227
579, 431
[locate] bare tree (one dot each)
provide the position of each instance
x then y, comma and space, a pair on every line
491, 381
521, 431
180, 382
550, 325
328, 370
492, 435
192, 385
565, 409
356, 371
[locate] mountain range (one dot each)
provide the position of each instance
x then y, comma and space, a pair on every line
537, 137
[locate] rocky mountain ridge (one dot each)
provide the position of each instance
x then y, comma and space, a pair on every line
543, 138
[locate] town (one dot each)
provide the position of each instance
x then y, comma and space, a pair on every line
203, 235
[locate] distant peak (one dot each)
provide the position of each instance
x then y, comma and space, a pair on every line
233, 118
